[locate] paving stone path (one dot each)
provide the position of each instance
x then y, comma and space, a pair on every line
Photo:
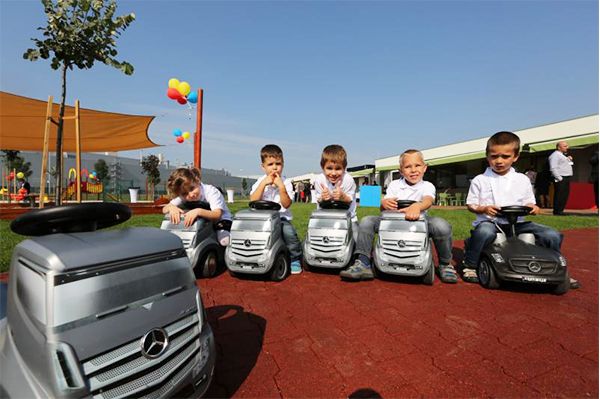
316, 336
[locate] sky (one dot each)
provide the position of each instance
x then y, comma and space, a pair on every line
377, 77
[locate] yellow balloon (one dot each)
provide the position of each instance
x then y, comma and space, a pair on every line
184, 88
173, 83
186, 135
20, 175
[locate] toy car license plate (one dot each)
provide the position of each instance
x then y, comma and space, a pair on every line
535, 279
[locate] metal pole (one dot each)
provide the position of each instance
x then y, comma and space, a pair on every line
198, 133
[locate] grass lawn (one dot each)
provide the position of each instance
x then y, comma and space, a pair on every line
459, 219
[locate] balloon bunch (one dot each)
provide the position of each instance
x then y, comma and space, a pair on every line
181, 92
93, 175
11, 176
181, 136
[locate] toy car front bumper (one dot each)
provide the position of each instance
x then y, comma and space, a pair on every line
411, 267
338, 260
506, 274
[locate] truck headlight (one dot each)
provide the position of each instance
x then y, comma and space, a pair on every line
498, 258
199, 309
562, 260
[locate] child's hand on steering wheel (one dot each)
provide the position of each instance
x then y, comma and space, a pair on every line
175, 214
389, 204
412, 212
191, 216
490, 210
535, 210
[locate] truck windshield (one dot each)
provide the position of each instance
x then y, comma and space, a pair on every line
336, 224
402, 225
251, 225
109, 292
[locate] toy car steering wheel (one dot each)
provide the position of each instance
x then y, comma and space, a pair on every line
515, 210
264, 205
188, 206
332, 204
404, 203
70, 219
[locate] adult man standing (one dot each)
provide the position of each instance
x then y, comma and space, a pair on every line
561, 167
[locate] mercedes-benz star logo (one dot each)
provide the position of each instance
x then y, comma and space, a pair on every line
247, 243
326, 240
154, 343
534, 267
401, 243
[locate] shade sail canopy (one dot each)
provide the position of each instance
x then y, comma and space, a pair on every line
22, 124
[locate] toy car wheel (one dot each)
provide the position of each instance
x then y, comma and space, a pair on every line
429, 276
281, 267
487, 275
207, 267
306, 266
563, 287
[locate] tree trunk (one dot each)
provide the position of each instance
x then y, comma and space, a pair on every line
59, 133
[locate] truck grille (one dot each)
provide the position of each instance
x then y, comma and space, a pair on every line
521, 265
124, 371
401, 248
248, 248
326, 244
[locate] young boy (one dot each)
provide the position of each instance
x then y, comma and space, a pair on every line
410, 187
185, 184
273, 187
500, 185
334, 183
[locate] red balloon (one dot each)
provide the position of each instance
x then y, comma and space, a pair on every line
180, 139
182, 100
173, 94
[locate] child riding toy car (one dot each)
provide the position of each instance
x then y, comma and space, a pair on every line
256, 243
103, 314
199, 241
404, 247
330, 239
518, 258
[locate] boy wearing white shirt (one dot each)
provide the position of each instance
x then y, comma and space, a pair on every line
186, 185
500, 185
273, 187
335, 183
410, 187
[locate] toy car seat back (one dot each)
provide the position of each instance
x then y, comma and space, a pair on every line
528, 238
500, 238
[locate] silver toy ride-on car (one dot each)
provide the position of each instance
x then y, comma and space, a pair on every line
256, 243
404, 247
199, 241
102, 314
329, 239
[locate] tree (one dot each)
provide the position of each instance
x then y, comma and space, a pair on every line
78, 33
102, 172
14, 161
150, 168
244, 186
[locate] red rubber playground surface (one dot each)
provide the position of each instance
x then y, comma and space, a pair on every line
316, 336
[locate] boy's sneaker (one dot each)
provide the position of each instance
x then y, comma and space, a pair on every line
296, 267
358, 271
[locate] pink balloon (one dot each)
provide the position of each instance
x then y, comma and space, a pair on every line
180, 139
182, 100
173, 94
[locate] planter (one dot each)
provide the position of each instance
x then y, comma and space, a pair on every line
133, 194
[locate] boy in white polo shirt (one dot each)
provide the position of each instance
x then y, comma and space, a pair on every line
500, 185
410, 187
273, 187
335, 183
185, 184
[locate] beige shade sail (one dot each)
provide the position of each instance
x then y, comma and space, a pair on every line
22, 122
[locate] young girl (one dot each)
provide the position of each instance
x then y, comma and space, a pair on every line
188, 190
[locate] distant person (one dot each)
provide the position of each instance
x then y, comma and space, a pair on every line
25, 188
542, 185
500, 185
299, 191
561, 167
531, 175
274, 187
594, 175
185, 185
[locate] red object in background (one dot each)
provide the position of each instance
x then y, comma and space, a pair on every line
581, 196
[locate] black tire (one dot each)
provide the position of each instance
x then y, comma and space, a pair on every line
487, 275
306, 266
208, 265
563, 287
430, 275
281, 267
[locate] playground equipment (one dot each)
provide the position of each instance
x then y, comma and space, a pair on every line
88, 183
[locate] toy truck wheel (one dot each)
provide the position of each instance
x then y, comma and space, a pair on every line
563, 287
207, 267
281, 267
429, 276
487, 275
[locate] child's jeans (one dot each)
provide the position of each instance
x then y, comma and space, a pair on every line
440, 232
485, 233
291, 240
